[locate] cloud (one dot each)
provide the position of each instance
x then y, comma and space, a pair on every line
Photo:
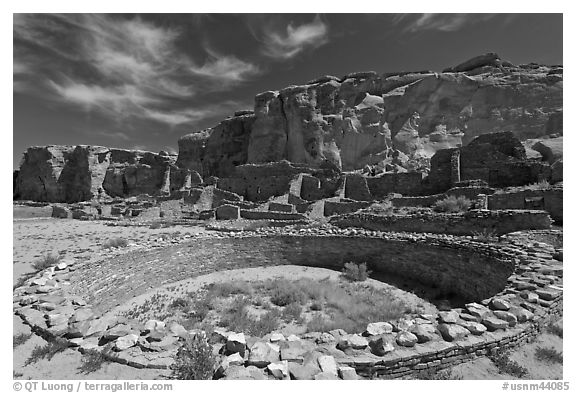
224, 69
441, 22
285, 43
117, 66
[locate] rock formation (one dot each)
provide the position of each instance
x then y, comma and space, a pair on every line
379, 123
79, 173
362, 118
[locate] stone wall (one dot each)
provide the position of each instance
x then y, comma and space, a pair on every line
338, 207
550, 200
498, 222
519, 292
497, 158
408, 184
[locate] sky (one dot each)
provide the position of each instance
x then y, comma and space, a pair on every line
142, 81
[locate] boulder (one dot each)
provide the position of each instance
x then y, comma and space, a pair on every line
377, 328
263, 353
506, 316
236, 342
493, 323
381, 346
452, 332
125, 342
500, 304
424, 332
328, 364
448, 316
347, 373
475, 328
406, 339
279, 370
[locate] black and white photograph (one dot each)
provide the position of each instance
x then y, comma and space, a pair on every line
273, 196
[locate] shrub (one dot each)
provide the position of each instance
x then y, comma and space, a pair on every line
383, 208
226, 289
46, 351
508, 366
452, 204
541, 185
47, 261
437, 375
319, 323
549, 355
292, 312
156, 225
92, 360
200, 307
116, 242
486, 235
238, 318
286, 292
555, 329
356, 271
20, 339
194, 360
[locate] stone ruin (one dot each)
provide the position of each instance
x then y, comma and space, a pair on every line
485, 130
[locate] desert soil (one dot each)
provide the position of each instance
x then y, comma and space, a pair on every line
34, 237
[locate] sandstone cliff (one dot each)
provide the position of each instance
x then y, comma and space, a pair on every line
80, 173
364, 118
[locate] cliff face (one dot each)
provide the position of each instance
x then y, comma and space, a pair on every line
362, 118
80, 173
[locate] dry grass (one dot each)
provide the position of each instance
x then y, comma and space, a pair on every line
116, 242
20, 339
549, 355
47, 261
452, 204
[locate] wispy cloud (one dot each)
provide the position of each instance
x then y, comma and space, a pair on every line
226, 70
441, 22
117, 66
284, 41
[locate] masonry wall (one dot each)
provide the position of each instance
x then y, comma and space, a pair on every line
497, 222
449, 266
549, 200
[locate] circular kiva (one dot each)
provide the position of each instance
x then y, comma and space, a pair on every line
507, 291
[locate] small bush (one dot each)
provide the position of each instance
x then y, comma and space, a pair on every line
92, 361
437, 375
226, 289
319, 323
555, 329
116, 242
46, 351
384, 208
508, 366
452, 204
179, 303
316, 306
200, 307
285, 292
541, 185
156, 225
549, 355
47, 261
356, 271
20, 339
292, 312
486, 235
194, 360
267, 323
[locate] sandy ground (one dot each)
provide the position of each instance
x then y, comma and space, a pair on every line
180, 289
34, 237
